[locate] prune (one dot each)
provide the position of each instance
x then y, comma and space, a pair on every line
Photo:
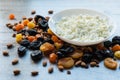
115, 42
107, 43
108, 53
43, 24
116, 38
32, 32
87, 57
23, 32
35, 45
36, 55
25, 43
48, 40
21, 51
37, 17
41, 39
98, 55
60, 54
66, 49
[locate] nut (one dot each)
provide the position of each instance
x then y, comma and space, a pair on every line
34, 73
16, 72
5, 53
50, 70
9, 46
15, 61
77, 54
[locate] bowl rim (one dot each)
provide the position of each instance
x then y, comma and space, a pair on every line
84, 43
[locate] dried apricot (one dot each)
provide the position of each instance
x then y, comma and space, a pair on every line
25, 22
53, 58
116, 47
11, 16
31, 38
19, 27
49, 31
54, 38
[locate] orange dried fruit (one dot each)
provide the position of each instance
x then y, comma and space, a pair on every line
54, 38
31, 38
19, 27
25, 22
116, 47
11, 16
53, 58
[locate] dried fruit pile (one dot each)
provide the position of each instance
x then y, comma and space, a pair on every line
34, 34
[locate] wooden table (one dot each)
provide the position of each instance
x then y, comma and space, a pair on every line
23, 8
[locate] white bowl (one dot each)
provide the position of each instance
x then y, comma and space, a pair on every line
56, 17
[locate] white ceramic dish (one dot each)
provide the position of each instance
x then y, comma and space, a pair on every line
56, 17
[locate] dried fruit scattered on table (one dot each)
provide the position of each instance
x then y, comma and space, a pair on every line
19, 27
83, 64
36, 55
25, 22
110, 63
21, 51
37, 17
35, 45
78, 63
108, 44
93, 64
25, 43
117, 54
116, 47
30, 25
47, 47
67, 62
53, 58
19, 37
49, 31
11, 16
77, 54
31, 38
31, 32
58, 45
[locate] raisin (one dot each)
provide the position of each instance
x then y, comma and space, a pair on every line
35, 45
21, 51
107, 43
36, 55
43, 24
25, 43
32, 32
87, 57
37, 17
116, 38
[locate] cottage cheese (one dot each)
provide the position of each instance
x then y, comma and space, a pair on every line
83, 28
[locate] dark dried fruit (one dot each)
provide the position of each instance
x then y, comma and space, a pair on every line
107, 43
37, 17
60, 54
16, 72
34, 73
35, 45
32, 32
48, 40
87, 57
36, 55
21, 51
108, 53
116, 38
43, 24
25, 43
